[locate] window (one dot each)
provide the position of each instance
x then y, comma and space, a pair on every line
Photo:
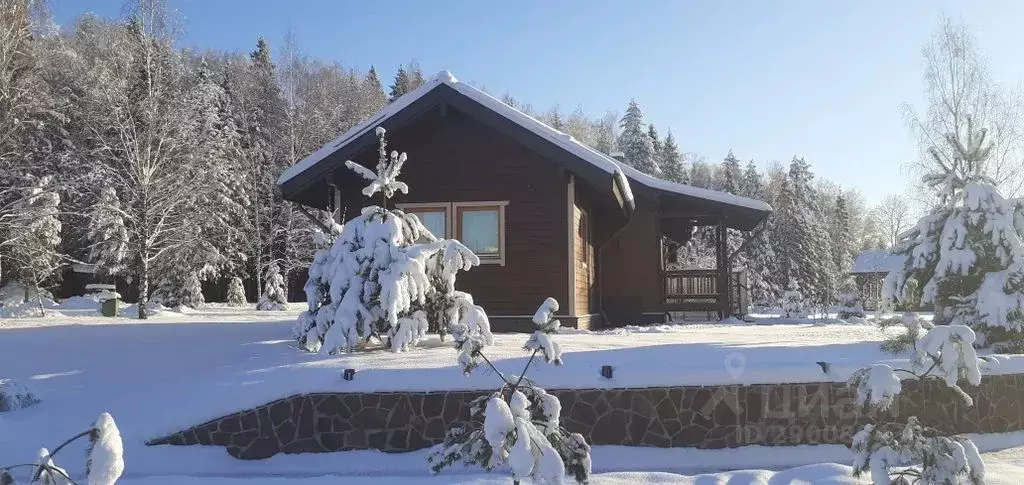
433, 216
478, 225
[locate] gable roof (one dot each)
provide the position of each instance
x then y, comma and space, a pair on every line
877, 261
623, 178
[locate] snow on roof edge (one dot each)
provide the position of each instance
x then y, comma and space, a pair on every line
559, 138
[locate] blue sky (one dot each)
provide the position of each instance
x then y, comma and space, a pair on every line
768, 79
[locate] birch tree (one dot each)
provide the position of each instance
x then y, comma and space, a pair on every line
960, 91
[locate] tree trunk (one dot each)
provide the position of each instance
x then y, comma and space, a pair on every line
39, 300
143, 287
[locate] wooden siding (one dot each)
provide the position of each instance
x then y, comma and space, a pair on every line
630, 268
583, 257
453, 158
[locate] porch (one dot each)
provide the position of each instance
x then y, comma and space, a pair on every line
721, 291
696, 290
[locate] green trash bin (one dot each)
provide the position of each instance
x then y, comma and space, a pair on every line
110, 307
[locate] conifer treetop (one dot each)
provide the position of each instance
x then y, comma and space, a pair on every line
385, 179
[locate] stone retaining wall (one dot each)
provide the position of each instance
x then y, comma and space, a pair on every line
702, 417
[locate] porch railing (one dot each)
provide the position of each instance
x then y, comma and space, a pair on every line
697, 290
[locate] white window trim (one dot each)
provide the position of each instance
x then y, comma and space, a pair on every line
451, 210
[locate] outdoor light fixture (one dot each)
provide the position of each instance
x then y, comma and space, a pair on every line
606, 371
349, 374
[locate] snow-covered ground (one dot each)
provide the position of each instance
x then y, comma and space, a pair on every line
177, 369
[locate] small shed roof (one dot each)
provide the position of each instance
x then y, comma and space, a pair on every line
877, 261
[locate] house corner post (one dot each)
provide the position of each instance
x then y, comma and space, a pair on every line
722, 271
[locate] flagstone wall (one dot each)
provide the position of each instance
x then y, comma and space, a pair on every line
701, 417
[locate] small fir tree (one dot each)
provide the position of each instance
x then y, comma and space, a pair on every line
518, 425
967, 254
236, 293
386, 276
793, 301
899, 453
273, 297
850, 304
177, 289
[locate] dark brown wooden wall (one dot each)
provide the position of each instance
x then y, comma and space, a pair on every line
453, 158
630, 269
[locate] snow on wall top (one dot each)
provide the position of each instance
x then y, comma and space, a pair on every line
877, 261
562, 140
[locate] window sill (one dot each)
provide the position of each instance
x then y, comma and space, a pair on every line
492, 260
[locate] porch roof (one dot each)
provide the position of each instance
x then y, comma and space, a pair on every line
305, 182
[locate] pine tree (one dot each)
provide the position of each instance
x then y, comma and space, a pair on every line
236, 293
842, 241
851, 305
793, 301
273, 295
108, 236
34, 234
731, 174
671, 162
761, 263
406, 80
635, 142
604, 136
178, 287
799, 230
400, 85
374, 88
966, 254
554, 118
655, 140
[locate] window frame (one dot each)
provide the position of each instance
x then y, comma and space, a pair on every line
453, 221
444, 207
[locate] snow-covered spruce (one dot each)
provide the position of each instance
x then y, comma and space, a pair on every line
520, 426
273, 297
793, 301
30, 238
902, 341
108, 236
104, 458
851, 307
912, 453
967, 254
15, 396
385, 276
236, 293
178, 288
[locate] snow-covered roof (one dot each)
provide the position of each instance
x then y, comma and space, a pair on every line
562, 140
877, 261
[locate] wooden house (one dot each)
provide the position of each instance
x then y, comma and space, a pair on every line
549, 216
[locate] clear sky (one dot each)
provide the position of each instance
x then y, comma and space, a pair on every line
768, 79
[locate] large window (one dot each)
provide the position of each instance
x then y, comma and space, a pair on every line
479, 225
